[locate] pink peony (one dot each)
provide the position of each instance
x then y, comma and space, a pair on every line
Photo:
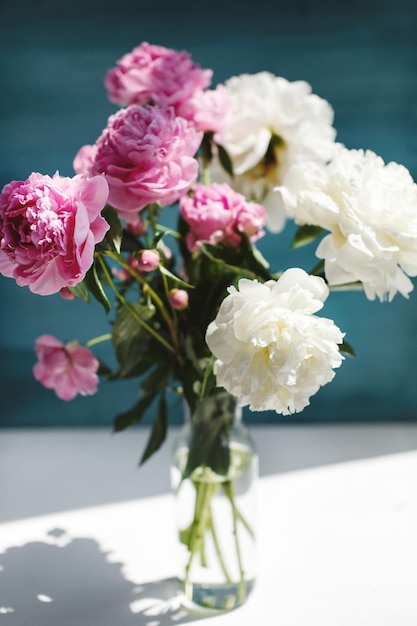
155, 74
215, 212
68, 368
168, 78
48, 229
147, 155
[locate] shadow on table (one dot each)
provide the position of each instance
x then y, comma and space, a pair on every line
70, 581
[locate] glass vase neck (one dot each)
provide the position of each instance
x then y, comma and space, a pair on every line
209, 407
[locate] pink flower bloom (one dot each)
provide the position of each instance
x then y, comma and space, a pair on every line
168, 78
206, 110
215, 212
147, 155
68, 368
155, 74
148, 261
178, 299
48, 229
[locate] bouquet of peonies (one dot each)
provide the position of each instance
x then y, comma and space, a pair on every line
195, 308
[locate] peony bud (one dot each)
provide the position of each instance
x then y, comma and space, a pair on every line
66, 293
136, 226
178, 299
148, 261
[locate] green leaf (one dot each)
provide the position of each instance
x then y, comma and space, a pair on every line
189, 377
245, 260
175, 278
114, 235
318, 270
185, 535
96, 288
130, 243
134, 370
305, 234
135, 414
225, 160
150, 387
103, 369
159, 430
253, 259
346, 348
206, 148
81, 291
209, 443
209, 379
156, 381
209, 447
131, 341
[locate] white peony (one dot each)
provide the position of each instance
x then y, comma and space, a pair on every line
370, 210
272, 352
272, 124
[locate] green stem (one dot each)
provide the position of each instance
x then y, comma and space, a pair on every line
168, 231
132, 311
236, 511
166, 289
96, 340
206, 174
204, 493
229, 490
152, 219
356, 286
239, 271
218, 551
156, 299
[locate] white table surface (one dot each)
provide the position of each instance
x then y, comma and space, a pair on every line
87, 539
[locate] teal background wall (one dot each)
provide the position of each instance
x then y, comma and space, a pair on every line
361, 56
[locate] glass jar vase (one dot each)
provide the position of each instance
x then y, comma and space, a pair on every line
214, 472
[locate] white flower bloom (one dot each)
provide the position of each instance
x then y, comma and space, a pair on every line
272, 124
370, 210
272, 352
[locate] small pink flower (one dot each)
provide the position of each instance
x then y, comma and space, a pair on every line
148, 261
69, 369
216, 212
48, 229
155, 74
147, 155
178, 299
